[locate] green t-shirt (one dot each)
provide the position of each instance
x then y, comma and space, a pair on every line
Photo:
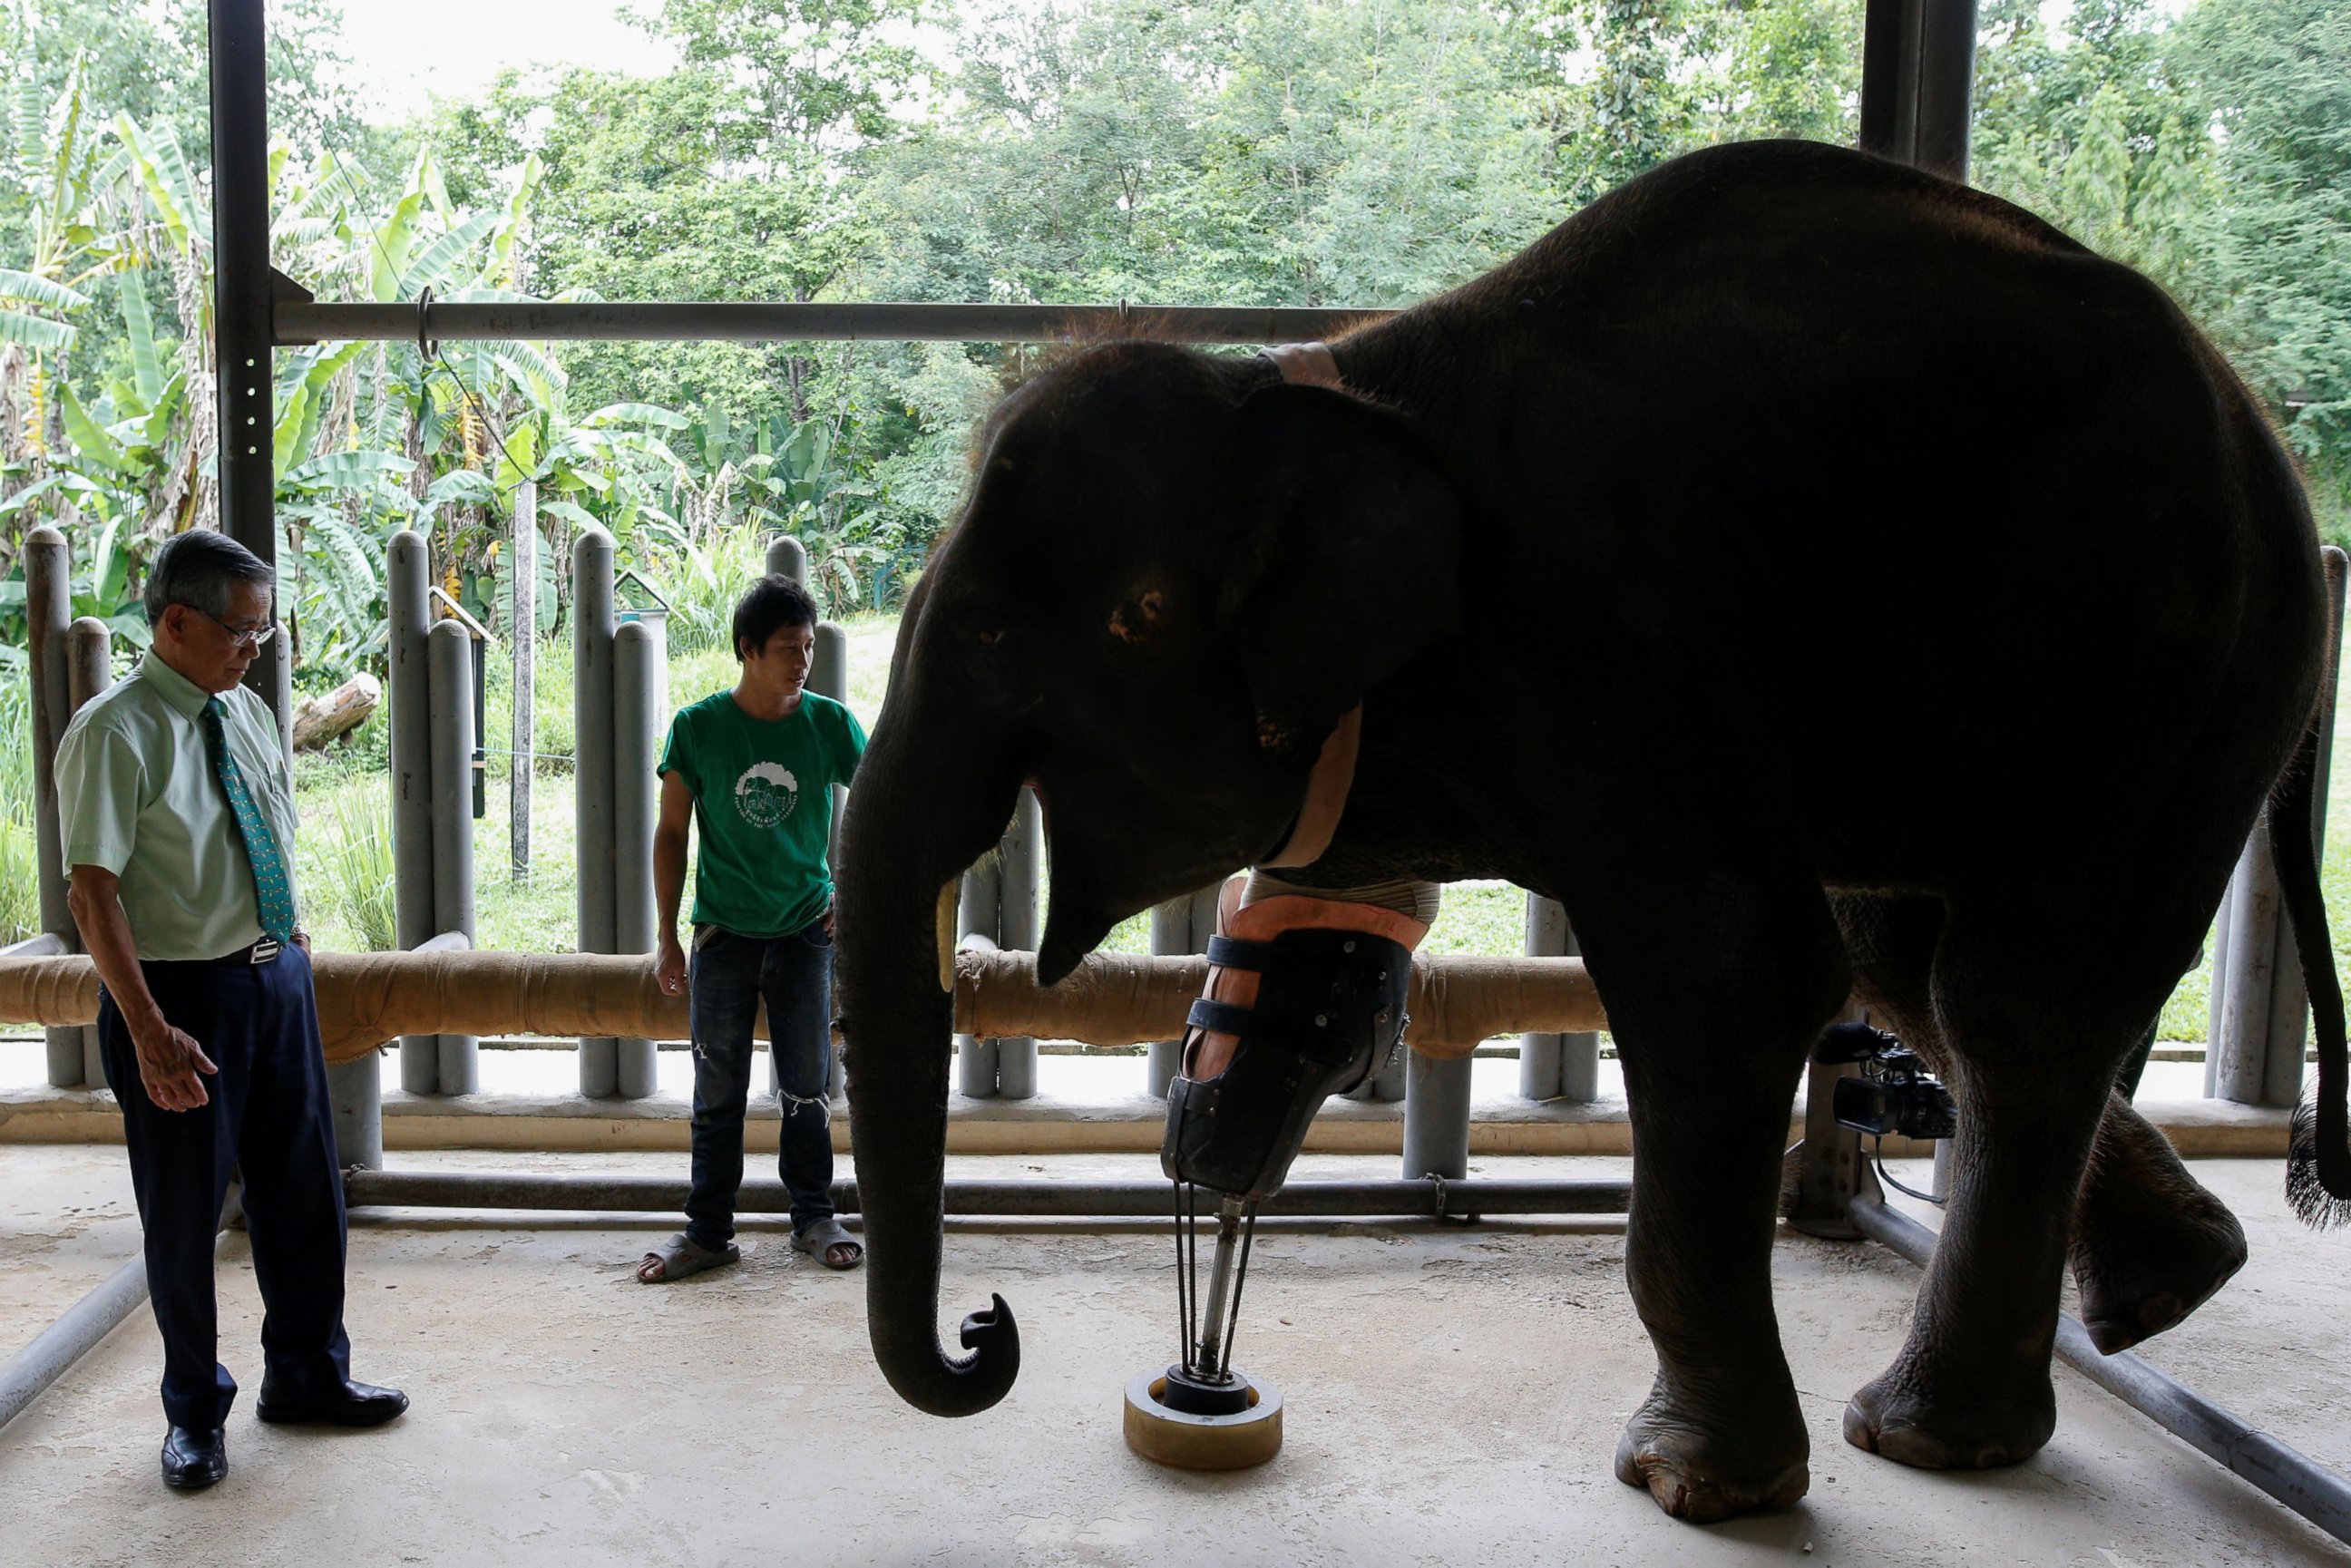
763, 798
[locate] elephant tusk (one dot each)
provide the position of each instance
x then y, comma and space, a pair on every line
949, 894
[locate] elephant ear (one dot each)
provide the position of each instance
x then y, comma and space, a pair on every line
1349, 561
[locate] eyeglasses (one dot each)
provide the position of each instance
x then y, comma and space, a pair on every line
249, 637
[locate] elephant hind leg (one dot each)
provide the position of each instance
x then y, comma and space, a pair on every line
2151, 1244
2036, 1007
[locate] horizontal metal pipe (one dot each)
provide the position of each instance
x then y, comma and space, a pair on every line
71, 1337
74, 1335
2318, 1495
301, 322
1145, 1199
40, 944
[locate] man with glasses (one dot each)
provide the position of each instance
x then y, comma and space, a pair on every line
178, 824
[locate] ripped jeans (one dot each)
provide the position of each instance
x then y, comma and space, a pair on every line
727, 976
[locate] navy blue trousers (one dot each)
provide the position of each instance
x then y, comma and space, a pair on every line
268, 1121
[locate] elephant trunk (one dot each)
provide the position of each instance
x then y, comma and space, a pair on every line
900, 844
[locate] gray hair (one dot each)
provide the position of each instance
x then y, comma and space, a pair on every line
197, 569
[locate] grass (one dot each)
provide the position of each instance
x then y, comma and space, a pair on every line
20, 880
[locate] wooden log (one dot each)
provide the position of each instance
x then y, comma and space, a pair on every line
1112, 998
321, 719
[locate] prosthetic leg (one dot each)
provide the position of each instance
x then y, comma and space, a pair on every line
1305, 999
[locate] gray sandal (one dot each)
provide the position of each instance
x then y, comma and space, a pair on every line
820, 1240
681, 1256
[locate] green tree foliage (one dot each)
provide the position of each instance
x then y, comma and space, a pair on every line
2277, 239
1240, 151
2214, 153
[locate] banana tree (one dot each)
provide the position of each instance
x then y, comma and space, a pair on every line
52, 155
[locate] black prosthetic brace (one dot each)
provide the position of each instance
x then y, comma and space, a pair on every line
1328, 1016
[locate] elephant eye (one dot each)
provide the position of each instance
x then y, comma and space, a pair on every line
990, 637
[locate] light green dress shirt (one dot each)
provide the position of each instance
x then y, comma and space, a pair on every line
138, 795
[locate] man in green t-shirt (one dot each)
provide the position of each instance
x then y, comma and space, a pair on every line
754, 768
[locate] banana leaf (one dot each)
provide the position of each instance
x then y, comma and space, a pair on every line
89, 438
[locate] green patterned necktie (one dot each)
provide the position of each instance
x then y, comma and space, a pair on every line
269, 883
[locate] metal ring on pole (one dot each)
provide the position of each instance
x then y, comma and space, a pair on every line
426, 344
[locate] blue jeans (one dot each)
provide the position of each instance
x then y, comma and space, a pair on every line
728, 975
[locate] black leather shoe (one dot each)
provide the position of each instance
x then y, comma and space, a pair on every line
194, 1457
353, 1404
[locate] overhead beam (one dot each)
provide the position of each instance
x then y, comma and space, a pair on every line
301, 321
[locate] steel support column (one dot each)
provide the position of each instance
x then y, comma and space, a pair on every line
407, 579
976, 915
591, 772
1556, 1066
243, 327
2258, 1043
1179, 927
1435, 1116
640, 695
787, 556
522, 639
1017, 931
450, 675
89, 670
49, 591
1918, 72
828, 677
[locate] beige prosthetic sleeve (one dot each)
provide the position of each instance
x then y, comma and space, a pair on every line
1413, 900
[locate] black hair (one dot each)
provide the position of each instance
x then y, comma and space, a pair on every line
196, 569
774, 603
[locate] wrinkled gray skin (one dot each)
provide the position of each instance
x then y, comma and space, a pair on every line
1814, 576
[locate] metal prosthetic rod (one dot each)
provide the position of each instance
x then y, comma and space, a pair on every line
1207, 1374
1204, 1413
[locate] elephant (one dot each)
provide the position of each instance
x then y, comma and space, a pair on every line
1822, 579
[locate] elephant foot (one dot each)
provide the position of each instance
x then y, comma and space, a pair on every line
1704, 1474
2137, 1281
1926, 1432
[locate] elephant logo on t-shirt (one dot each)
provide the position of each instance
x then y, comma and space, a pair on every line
766, 793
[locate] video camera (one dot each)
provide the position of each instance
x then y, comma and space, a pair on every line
1895, 1092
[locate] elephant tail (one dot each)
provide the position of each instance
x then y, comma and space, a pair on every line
2318, 1158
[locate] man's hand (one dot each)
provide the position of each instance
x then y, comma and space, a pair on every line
169, 1061
827, 919
669, 967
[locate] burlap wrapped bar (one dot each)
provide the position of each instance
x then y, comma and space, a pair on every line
1112, 998
1117, 998
368, 998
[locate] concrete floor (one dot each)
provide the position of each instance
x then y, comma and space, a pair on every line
1453, 1397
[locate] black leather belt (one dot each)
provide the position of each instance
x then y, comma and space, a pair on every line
261, 952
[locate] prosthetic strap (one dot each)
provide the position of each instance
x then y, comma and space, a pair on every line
1311, 994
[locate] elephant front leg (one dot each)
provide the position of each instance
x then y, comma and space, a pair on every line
1720, 1433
